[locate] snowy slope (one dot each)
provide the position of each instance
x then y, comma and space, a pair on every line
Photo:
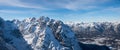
47, 34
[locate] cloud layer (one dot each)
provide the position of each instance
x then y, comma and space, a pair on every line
60, 8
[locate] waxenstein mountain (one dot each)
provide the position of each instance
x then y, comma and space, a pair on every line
40, 34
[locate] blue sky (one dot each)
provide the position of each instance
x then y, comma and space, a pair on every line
65, 10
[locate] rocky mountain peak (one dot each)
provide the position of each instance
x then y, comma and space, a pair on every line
46, 32
38, 34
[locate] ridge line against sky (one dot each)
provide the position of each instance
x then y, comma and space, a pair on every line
65, 10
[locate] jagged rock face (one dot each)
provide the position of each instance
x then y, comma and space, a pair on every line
47, 34
10, 37
3, 44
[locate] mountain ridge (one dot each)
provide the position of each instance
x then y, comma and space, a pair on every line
102, 33
39, 34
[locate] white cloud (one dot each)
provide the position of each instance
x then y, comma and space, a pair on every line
18, 3
99, 14
84, 4
10, 11
76, 4
113, 9
56, 4
109, 10
31, 12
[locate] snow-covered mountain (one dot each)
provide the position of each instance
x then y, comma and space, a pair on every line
40, 34
47, 34
102, 33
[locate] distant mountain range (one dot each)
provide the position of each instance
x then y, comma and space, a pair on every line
41, 34
102, 33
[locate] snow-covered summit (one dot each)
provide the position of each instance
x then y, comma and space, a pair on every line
48, 34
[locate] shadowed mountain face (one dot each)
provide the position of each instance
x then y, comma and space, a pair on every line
40, 34
11, 38
104, 33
